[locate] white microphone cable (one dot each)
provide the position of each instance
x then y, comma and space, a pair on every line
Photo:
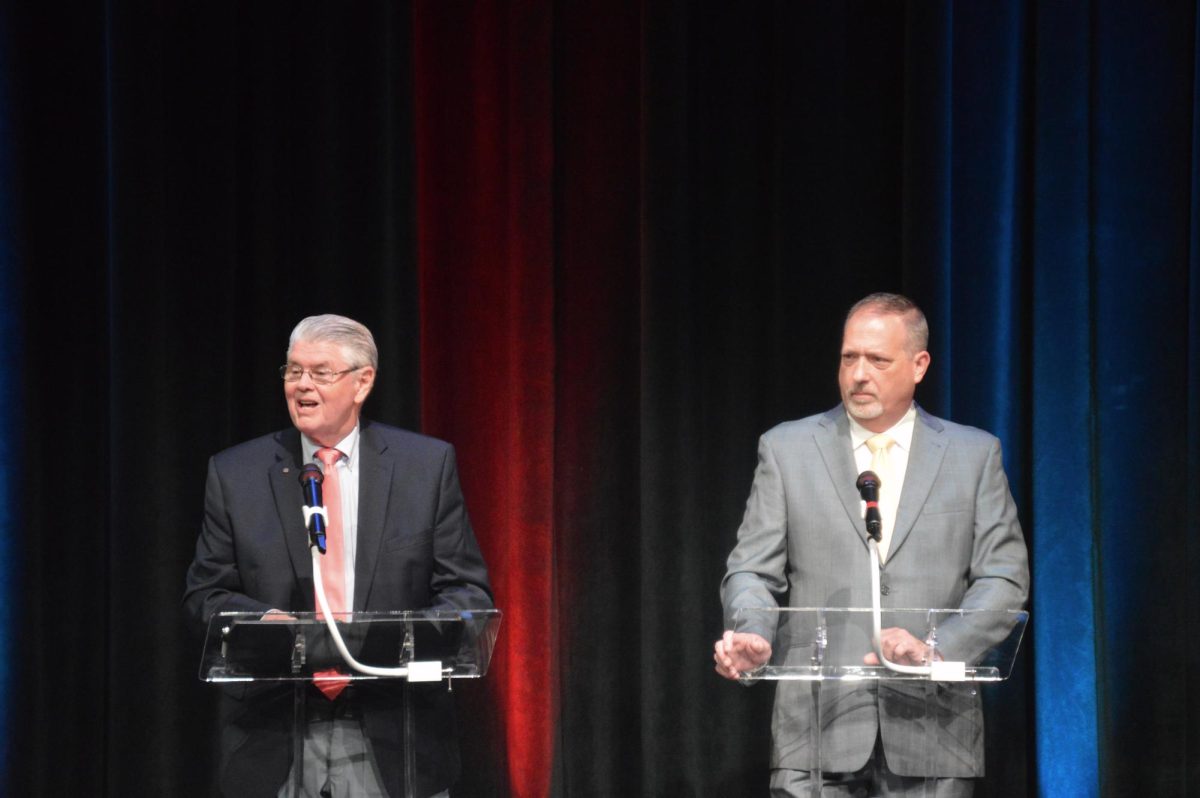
877, 620
331, 624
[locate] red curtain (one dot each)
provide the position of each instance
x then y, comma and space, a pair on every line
485, 159
527, 152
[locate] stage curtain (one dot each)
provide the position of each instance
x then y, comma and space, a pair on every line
484, 133
603, 249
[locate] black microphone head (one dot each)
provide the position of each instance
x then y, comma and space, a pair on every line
867, 479
310, 472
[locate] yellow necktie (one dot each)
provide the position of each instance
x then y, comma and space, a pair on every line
889, 492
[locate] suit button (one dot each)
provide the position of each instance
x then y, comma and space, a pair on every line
884, 589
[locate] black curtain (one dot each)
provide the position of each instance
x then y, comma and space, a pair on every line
190, 177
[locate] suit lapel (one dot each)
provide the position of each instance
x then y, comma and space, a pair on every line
374, 491
924, 462
284, 475
833, 441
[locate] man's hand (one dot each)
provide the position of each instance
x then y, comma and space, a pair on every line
901, 648
277, 615
738, 652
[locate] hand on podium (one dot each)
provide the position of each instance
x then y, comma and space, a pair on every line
277, 615
900, 647
739, 652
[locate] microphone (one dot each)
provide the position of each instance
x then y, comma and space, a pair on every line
868, 488
311, 478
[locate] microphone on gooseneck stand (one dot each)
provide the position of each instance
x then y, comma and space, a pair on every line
868, 488
315, 517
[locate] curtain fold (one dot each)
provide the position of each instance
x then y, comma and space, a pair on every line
1065, 526
11, 360
1142, 145
484, 133
598, 366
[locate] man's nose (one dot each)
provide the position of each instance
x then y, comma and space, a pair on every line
859, 372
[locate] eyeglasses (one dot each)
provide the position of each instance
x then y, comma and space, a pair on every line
322, 376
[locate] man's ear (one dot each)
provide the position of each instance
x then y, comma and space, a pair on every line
920, 366
366, 381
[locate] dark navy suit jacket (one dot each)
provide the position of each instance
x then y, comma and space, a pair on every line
416, 550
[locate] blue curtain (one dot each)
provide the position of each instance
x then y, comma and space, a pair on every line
1063, 280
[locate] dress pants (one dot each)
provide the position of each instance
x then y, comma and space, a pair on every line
338, 761
874, 780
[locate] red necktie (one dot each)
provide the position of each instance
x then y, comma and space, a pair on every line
333, 574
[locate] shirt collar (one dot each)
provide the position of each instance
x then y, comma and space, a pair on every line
901, 432
348, 446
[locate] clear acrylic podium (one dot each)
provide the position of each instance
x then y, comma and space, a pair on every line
939, 709
422, 646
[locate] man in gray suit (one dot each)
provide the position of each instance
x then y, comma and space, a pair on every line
955, 541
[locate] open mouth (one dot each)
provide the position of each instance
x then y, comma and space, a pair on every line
306, 404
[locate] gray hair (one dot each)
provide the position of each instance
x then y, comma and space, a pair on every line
914, 319
354, 338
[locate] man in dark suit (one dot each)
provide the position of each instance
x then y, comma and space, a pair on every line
951, 540
408, 545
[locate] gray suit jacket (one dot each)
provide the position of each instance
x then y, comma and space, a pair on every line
957, 542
